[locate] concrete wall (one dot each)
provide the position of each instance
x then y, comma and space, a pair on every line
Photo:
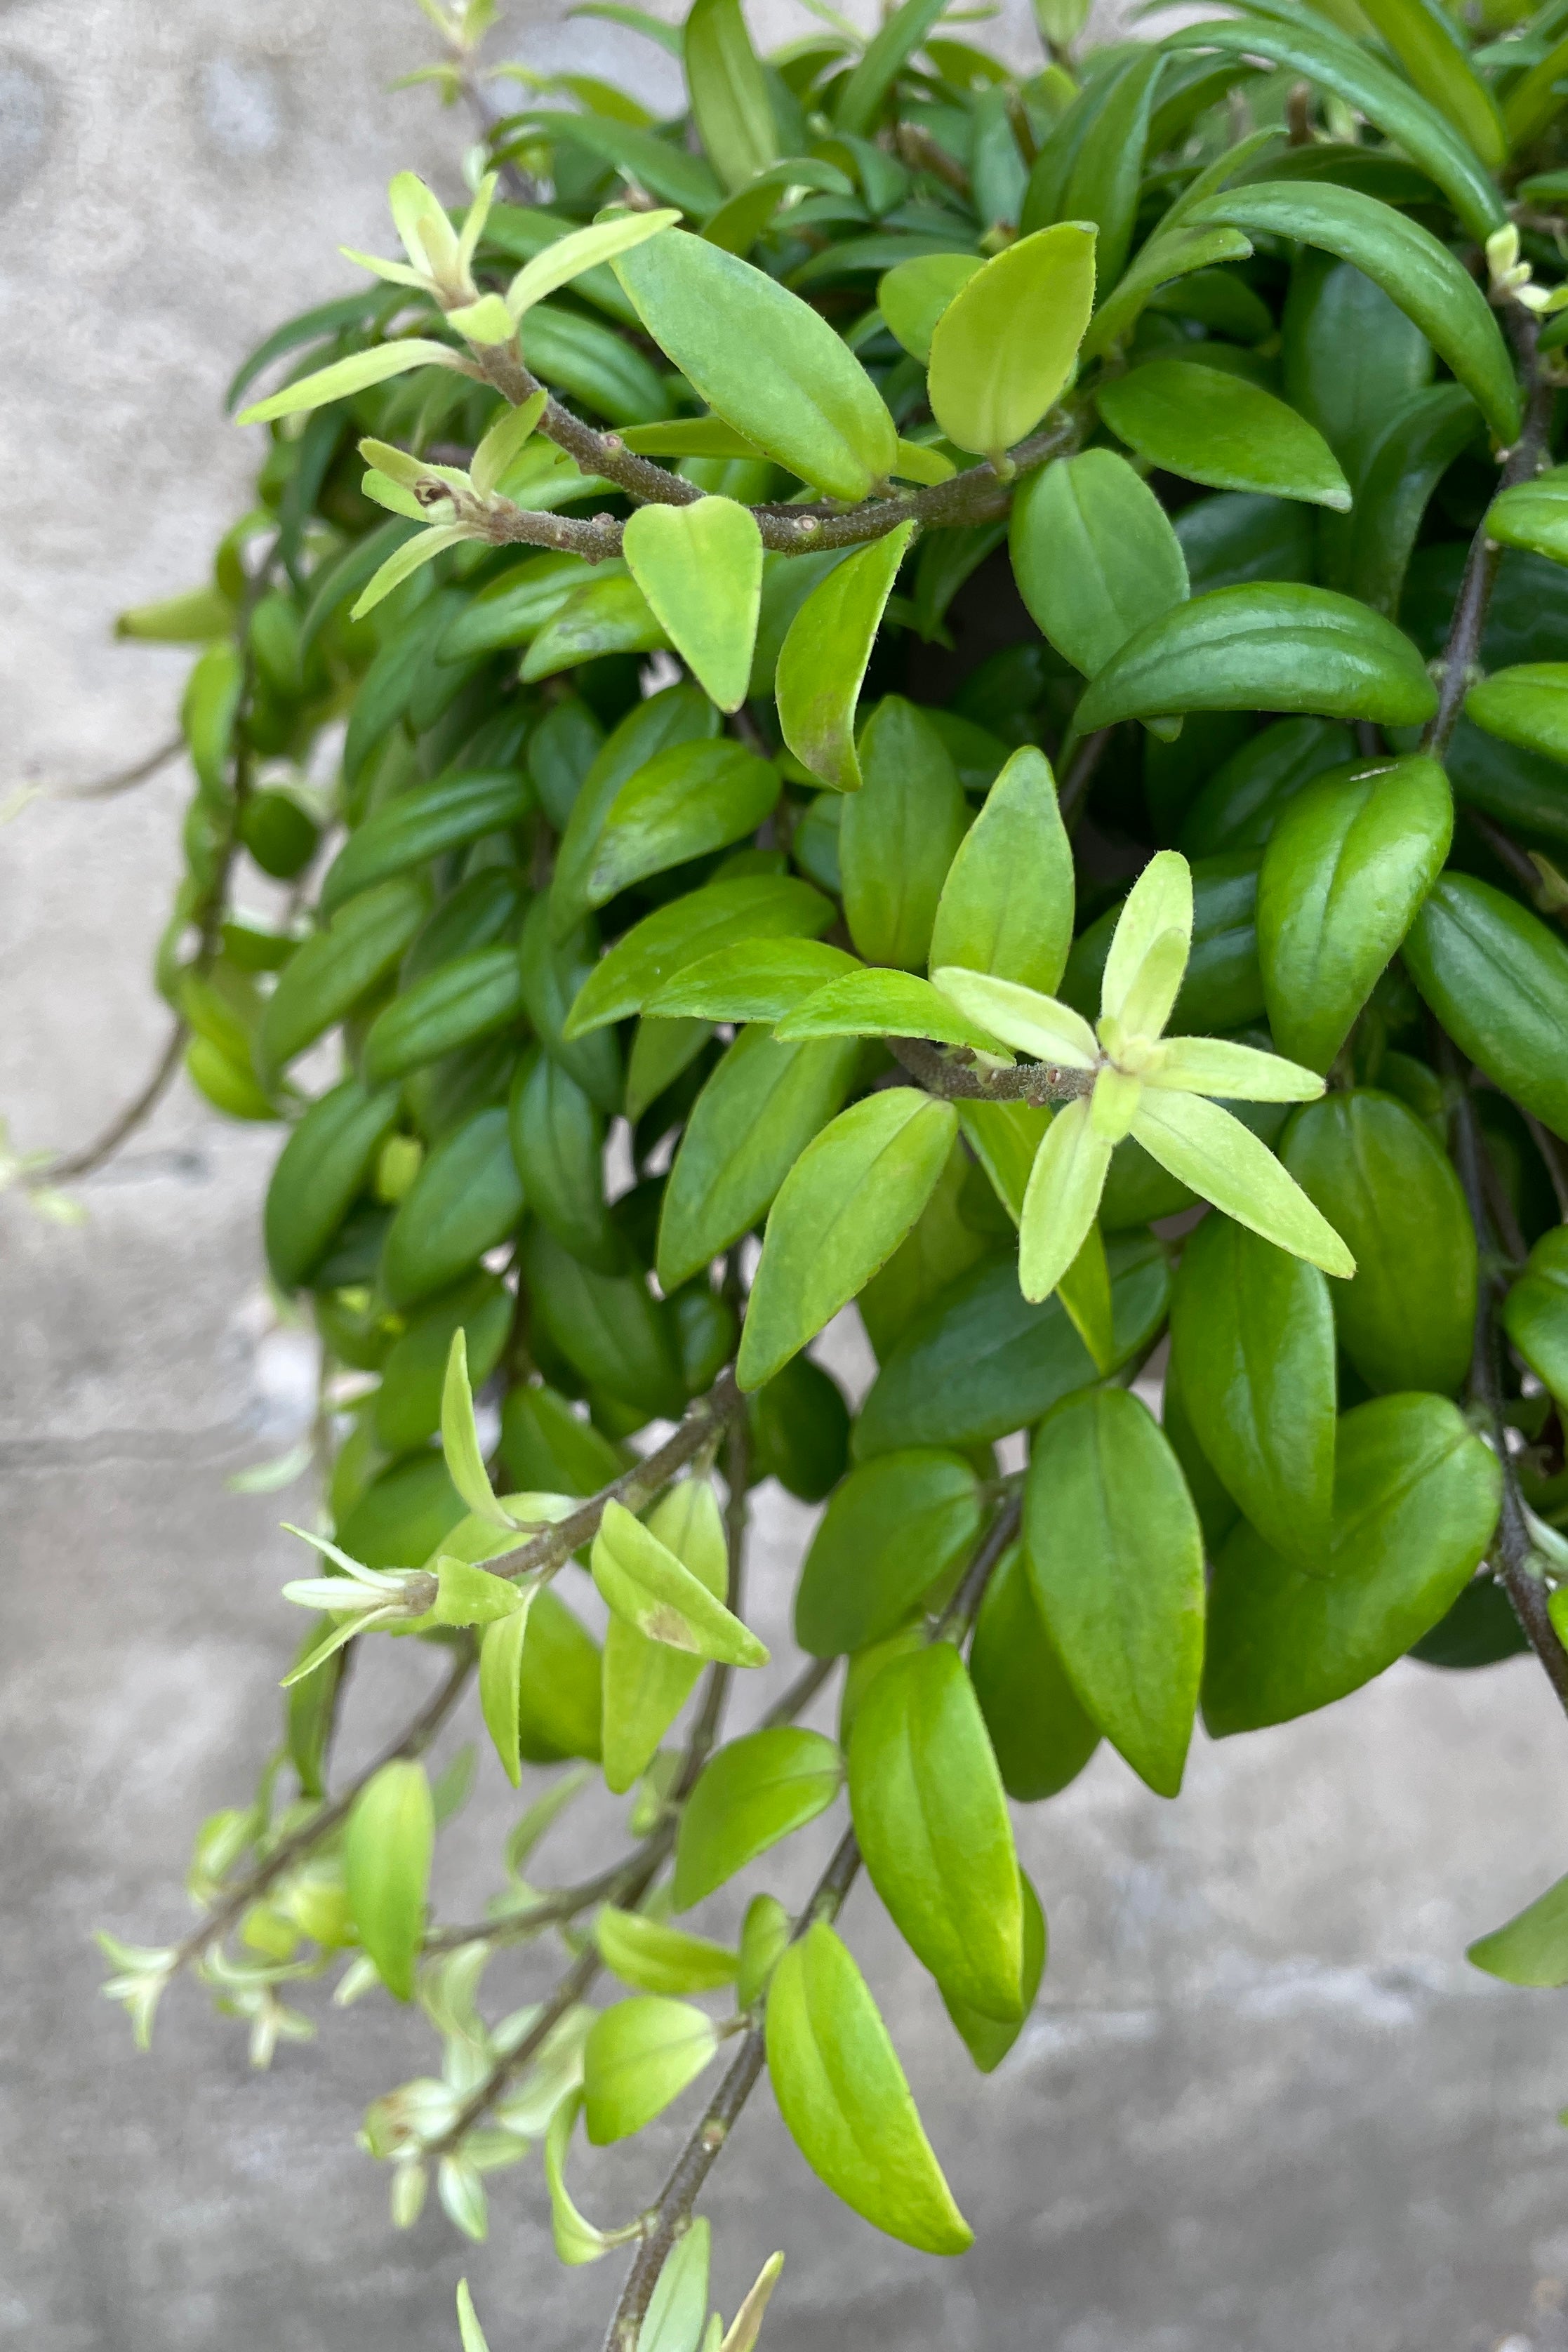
1264, 2105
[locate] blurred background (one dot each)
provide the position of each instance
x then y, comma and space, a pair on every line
1264, 2105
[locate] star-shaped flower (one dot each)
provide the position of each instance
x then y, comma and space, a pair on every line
1140, 1083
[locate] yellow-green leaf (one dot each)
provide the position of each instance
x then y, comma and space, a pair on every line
1005, 346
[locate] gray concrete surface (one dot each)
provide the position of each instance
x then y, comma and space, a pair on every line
1263, 2106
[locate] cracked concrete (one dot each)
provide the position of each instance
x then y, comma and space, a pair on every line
1264, 2105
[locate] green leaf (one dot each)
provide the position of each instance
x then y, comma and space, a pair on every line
746, 2325
1102, 187
987, 2041
1226, 1163
641, 1579
423, 823
1212, 427
762, 980
1174, 252
466, 1198
467, 999
1527, 705
1252, 1342
644, 961
1535, 1312
899, 833
1003, 349
823, 659
840, 1213
1431, 49
764, 361
1408, 261
894, 1531
730, 102
326, 976
641, 2055
912, 296
1094, 555
558, 1142
1116, 1558
689, 799
930, 1814
501, 1669
1532, 1949
657, 1958
583, 250
576, 2240
468, 2328
647, 1682
1350, 861
1006, 906
700, 568
678, 2308
1407, 1319
1041, 1736
609, 615
1496, 979
859, 101
345, 377
1535, 97
559, 1704
882, 1003
1271, 646
1353, 71
746, 1131
1415, 1501
979, 1360
845, 2104
1062, 1198
1402, 469
1534, 514
754, 1792
387, 1848
319, 1174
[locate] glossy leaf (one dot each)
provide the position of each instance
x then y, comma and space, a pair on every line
1041, 1736
1402, 469
913, 295
1274, 645
1527, 705
1532, 1948
1496, 979
987, 2040
327, 976
1350, 861
730, 102
899, 835
1415, 1501
387, 1847
1430, 48
1406, 1320
840, 1213
1004, 346
1534, 514
1535, 1312
688, 800
930, 1814
657, 1958
646, 959
823, 656
641, 1579
646, 1682
1116, 1558
1214, 428
877, 1003
755, 1791
641, 2055
700, 568
1095, 556
892, 1531
764, 361
845, 2104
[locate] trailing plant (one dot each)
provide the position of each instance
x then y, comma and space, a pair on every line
927, 694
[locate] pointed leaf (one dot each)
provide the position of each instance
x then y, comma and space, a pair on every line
987, 2040
1209, 426
584, 248
1006, 907
761, 980
641, 2055
746, 2325
755, 1791
700, 568
577, 2239
353, 374
1161, 900
1036, 1023
1116, 1558
642, 1581
845, 2104
1094, 556
823, 656
872, 1002
461, 1438
756, 907
729, 101
1005, 346
1215, 1065
1224, 1161
678, 2308
647, 1682
842, 1210
1532, 1948
500, 1674
387, 1849
657, 1958
913, 295
1062, 1200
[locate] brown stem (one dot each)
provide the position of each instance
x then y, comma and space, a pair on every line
238, 1900
104, 1147
1034, 1082
571, 1989
958, 1615
1081, 772
543, 1553
124, 778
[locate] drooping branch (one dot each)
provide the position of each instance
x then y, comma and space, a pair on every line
91, 1156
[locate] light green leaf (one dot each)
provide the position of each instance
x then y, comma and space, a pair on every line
499, 445
1116, 1559
1161, 900
641, 2055
1205, 1147
387, 1849
845, 2104
688, 800
881, 1003
1532, 1949
676, 2311
657, 1958
764, 361
1004, 1137
1004, 347
746, 2325
1034, 1023
355, 373
756, 1790
823, 656
569, 257
755, 908
1209, 426
1063, 1197
487, 321
1094, 556
576, 2240
899, 833
913, 295
843, 1209
1006, 907
500, 1672
1269, 645
409, 557
700, 568
1527, 705
1174, 251
754, 981
1431, 47
461, 1438
861, 95
730, 102
931, 1818
642, 1581
647, 1682
468, 2328
1215, 1065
